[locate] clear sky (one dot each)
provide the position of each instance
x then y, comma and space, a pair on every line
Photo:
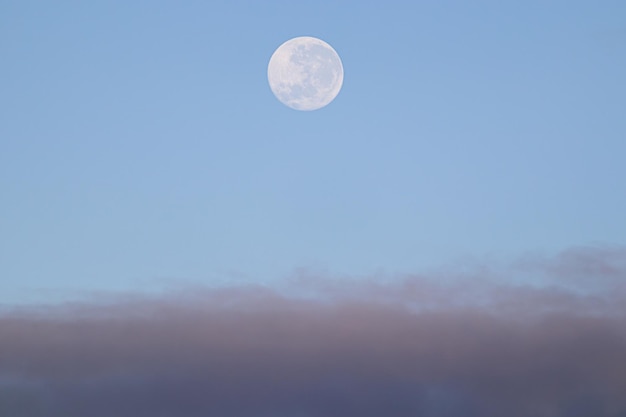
140, 142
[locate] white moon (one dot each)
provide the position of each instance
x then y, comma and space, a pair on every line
305, 73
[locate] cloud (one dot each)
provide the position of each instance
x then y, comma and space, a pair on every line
477, 345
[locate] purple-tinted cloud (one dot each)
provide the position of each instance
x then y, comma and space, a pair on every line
413, 347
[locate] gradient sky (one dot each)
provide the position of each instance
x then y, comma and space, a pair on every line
140, 142
446, 238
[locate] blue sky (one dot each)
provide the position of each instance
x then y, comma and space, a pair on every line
140, 143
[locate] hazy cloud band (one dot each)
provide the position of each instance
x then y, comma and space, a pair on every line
477, 345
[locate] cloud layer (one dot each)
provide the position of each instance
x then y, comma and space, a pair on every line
476, 343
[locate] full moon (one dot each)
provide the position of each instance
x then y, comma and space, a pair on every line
305, 73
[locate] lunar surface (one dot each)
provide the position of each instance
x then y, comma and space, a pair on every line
305, 73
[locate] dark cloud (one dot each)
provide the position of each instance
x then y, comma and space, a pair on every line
410, 347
